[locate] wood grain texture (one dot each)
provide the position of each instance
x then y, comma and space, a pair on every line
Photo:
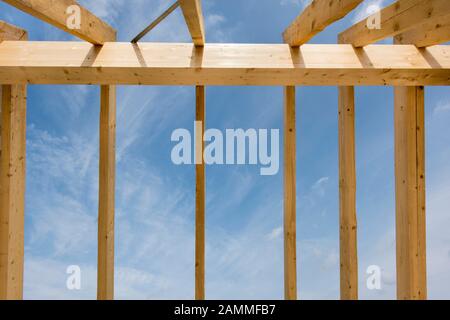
13, 106
290, 211
316, 17
429, 34
221, 64
10, 32
347, 195
410, 193
397, 18
54, 12
200, 199
107, 174
12, 190
192, 11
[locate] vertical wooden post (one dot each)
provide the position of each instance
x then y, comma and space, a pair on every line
200, 198
410, 193
290, 238
347, 195
13, 105
107, 171
12, 191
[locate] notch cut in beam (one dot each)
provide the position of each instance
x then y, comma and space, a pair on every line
57, 13
315, 18
200, 195
347, 195
410, 193
290, 211
157, 21
397, 18
192, 11
221, 64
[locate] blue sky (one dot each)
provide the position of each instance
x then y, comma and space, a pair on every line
155, 199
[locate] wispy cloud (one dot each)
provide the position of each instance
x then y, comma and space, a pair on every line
155, 200
443, 106
298, 3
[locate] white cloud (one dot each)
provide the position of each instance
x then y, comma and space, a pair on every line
319, 185
368, 8
155, 213
275, 233
443, 106
298, 3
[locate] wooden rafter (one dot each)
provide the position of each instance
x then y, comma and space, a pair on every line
92, 29
154, 23
192, 11
429, 34
221, 64
316, 17
397, 18
10, 32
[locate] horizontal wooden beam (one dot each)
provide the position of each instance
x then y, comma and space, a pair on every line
316, 17
192, 11
10, 32
429, 34
91, 28
397, 18
221, 64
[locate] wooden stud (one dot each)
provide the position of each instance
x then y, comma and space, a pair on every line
410, 193
12, 191
92, 29
290, 213
315, 18
200, 198
221, 64
347, 195
397, 18
107, 170
13, 106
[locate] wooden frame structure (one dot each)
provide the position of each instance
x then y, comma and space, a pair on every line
414, 61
